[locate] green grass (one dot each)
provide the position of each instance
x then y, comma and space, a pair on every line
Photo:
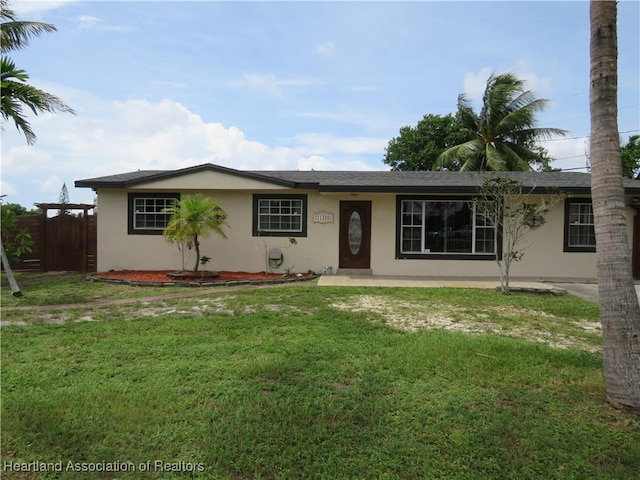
56, 289
287, 382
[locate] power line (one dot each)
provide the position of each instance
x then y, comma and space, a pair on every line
586, 116
578, 138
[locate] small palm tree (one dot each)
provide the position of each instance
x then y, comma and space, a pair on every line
505, 131
16, 92
193, 217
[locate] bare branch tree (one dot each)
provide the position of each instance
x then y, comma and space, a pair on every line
506, 205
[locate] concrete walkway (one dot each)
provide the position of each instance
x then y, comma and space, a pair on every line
588, 291
407, 281
578, 287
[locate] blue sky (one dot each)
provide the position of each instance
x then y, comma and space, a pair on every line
288, 85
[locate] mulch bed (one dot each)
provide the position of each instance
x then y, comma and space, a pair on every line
161, 278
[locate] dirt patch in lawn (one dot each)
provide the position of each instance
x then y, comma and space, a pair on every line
532, 325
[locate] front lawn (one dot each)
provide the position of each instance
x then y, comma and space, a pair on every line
59, 289
307, 382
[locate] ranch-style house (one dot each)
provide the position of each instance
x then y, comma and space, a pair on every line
369, 222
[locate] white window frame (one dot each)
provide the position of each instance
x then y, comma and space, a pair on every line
140, 210
285, 207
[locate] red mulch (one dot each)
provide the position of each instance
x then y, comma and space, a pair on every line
160, 276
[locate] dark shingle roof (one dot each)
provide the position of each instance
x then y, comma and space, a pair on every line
121, 178
371, 181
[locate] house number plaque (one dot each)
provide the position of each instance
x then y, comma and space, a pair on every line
322, 217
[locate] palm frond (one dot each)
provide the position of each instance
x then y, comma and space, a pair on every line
466, 116
473, 156
495, 160
497, 96
505, 128
448, 157
12, 109
514, 122
539, 133
195, 215
16, 35
16, 94
522, 99
518, 158
469, 155
192, 217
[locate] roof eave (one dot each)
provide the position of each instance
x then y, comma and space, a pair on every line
184, 171
458, 189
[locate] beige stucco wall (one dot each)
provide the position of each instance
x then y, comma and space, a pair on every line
207, 180
544, 257
240, 251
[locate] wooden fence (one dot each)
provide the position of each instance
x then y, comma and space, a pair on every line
61, 243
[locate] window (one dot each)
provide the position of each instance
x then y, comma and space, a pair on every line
439, 228
146, 216
280, 215
579, 234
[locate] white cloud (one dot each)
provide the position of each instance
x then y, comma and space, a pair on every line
23, 159
316, 162
325, 49
363, 88
7, 189
109, 137
367, 120
569, 153
542, 86
271, 84
28, 7
475, 84
168, 84
51, 184
322, 143
85, 21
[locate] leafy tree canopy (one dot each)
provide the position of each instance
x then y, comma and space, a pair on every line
17, 210
418, 148
630, 156
14, 242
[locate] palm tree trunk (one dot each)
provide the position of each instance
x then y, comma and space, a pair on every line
196, 244
15, 289
619, 309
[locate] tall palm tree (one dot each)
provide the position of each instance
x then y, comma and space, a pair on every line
619, 309
16, 92
505, 129
193, 217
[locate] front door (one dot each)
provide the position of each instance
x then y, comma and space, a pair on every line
355, 235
